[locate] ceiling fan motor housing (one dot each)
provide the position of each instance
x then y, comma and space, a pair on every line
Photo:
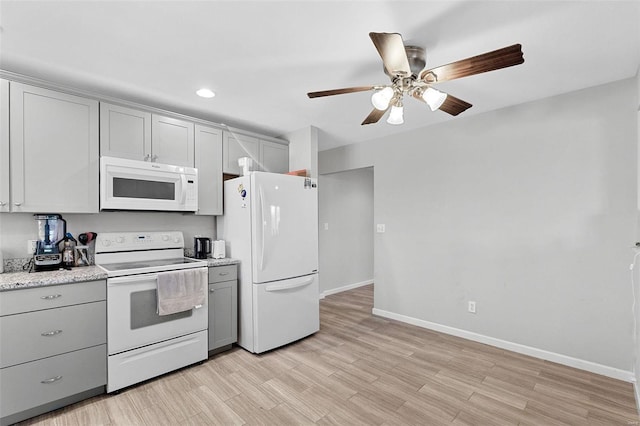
416, 56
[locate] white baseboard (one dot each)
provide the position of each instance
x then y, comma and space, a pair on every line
593, 367
637, 392
344, 288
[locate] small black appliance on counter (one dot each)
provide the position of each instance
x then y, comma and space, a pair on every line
52, 229
201, 247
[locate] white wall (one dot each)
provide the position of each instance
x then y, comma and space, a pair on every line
636, 275
303, 150
346, 247
17, 228
529, 211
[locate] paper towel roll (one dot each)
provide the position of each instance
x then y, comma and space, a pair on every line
219, 251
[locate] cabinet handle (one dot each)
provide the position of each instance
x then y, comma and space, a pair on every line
51, 380
222, 274
154, 157
51, 333
211, 290
147, 157
2, 203
17, 204
51, 296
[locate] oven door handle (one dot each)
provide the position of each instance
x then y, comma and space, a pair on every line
131, 278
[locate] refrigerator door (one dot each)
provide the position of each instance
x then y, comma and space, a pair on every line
285, 227
285, 311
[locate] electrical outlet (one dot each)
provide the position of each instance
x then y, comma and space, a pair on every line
326, 226
31, 246
380, 228
472, 307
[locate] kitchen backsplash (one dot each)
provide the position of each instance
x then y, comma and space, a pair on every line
17, 228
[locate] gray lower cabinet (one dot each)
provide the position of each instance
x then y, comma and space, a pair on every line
52, 347
223, 307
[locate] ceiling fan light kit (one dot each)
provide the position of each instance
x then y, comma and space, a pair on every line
434, 98
381, 98
405, 65
396, 114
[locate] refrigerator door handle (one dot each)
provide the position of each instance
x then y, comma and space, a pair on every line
262, 225
278, 287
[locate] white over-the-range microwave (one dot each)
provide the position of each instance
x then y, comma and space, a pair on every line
141, 185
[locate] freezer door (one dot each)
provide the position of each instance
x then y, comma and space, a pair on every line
285, 227
285, 311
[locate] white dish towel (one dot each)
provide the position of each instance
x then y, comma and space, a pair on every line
179, 291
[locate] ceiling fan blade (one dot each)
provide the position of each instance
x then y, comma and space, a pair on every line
374, 116
451, 104
339, 91
454, 106
490, 61
391, 49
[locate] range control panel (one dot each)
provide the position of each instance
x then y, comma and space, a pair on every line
109, 242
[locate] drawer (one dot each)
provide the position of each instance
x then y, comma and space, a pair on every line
54, 296
35, 383
223, 273
34, 335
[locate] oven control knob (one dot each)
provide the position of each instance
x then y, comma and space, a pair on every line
165, 238
176, 240
120, 240
106, 243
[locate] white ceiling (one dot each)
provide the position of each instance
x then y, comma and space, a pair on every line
262, 57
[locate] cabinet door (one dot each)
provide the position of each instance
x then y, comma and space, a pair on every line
125, 132
172, 141
237, 146
4, 145
274, 157
53, 148
208, 158
223, 314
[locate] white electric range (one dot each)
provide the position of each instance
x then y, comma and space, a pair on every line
142, 344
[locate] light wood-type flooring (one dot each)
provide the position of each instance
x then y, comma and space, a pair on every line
364, 370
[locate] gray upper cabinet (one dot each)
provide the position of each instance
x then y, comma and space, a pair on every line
237, 146
267, 155
274, 157
140, 135
208, 157
172, 141
53, 148
125, 132
4, 146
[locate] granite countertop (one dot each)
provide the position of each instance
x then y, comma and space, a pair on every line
220, 262
19, 280
23, 279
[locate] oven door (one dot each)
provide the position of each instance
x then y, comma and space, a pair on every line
132, 319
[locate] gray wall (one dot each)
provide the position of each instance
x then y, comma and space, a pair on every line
17, 228
530, 211
346, 247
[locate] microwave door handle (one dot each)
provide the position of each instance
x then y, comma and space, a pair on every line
183, 181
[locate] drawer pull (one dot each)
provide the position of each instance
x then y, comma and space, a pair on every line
222, 274
51, 296
211, 290
51, 380
51, 333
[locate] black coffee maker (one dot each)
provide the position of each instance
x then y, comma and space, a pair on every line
52, 229
201, 247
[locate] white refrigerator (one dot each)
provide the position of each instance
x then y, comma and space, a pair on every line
270, 224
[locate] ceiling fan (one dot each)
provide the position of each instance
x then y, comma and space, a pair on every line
405, 65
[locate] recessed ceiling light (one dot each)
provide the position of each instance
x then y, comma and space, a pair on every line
205, 93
